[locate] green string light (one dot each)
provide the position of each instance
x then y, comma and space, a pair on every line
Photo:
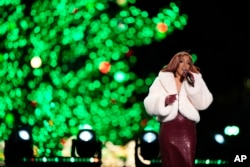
72, 39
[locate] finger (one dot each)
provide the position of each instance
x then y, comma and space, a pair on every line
172, 98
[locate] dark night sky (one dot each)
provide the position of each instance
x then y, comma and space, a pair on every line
217, 32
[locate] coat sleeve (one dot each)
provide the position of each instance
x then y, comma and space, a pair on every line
154, 102
199, 95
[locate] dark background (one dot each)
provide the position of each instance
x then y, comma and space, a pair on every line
218, 32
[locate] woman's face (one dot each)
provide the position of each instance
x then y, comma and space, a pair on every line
184, 64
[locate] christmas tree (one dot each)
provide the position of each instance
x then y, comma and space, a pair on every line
65, 64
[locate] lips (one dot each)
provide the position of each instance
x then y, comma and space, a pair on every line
184, 69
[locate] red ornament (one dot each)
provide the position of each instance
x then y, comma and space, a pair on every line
113, 101
130, 53
144, 122
162, 27
105, 67
63, 141
33, 103
75, 10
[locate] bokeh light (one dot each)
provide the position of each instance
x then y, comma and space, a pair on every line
68, 63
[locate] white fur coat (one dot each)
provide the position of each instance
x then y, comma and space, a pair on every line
189, 99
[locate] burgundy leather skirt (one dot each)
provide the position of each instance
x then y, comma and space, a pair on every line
177, 139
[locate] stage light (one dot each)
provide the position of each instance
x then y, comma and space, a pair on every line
149, 137
86, 145
24, 134
18, 146
86, 135
147, 151
219, 138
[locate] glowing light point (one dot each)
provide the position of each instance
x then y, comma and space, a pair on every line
119, 76
121, 2
104, 67
36, 62
162, 27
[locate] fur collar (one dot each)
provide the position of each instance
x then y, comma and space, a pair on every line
168, 82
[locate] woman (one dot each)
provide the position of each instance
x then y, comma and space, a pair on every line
175, 98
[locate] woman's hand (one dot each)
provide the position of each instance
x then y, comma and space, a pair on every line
189, 76
170, 99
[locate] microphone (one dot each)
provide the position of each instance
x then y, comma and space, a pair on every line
189, 78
